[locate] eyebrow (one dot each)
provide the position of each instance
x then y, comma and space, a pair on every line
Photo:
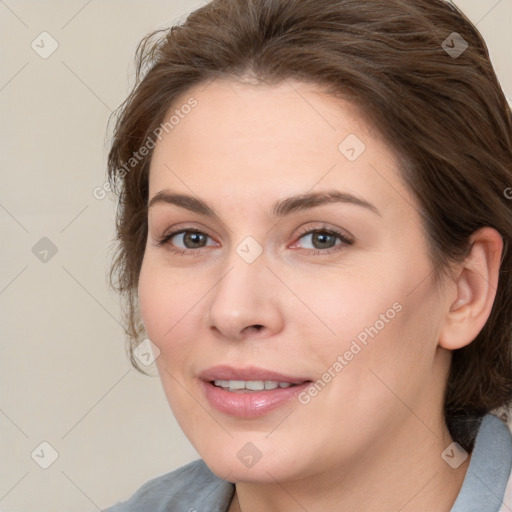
281, 208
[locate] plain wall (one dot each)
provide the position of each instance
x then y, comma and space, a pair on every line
64, 375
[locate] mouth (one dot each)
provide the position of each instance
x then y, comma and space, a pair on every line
249, 392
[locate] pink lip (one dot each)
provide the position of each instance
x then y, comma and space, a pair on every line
248, 405
224, 372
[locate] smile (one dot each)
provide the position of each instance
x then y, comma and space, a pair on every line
249, 392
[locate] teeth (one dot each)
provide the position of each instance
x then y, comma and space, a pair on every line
236, 384
255, 385
251, 385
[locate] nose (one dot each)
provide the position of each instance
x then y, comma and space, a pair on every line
245, 302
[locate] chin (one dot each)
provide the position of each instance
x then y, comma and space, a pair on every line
241, 461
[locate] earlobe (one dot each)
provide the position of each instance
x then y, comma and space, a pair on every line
476, 287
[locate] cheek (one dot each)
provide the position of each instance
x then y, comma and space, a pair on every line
168, 304
347, 305
385, 318
169, 309
393, 350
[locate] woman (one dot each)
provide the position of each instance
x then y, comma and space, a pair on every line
314, 233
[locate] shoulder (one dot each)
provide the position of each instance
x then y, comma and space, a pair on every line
190, 488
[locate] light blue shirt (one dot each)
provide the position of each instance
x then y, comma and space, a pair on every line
194, 488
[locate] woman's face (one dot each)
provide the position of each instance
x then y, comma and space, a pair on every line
298, 257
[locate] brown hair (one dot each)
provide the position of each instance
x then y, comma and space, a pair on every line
444, 114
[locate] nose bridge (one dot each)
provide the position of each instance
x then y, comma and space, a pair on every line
244, 297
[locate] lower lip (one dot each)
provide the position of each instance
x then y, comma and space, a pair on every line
252, 404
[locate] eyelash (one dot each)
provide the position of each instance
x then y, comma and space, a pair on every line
306, 231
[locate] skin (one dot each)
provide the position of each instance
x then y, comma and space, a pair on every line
372, 438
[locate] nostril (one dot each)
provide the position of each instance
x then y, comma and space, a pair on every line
256, 327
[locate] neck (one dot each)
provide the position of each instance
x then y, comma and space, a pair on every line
401, 471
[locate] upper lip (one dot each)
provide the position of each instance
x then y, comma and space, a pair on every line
225, 372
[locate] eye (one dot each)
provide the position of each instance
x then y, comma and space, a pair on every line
186, 239
323, 240
319, 241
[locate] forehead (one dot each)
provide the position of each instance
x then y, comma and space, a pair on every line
277, 140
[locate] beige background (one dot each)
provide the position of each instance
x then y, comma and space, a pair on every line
64, 375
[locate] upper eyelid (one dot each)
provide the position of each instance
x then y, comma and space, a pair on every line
302, 232
181, 231
175, 230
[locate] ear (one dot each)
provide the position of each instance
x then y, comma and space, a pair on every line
475, 288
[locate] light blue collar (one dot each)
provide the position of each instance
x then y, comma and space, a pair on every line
489, 469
